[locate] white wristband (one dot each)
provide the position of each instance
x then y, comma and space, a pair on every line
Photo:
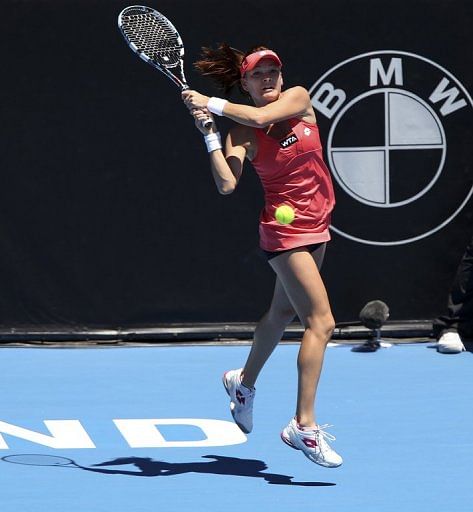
216, 105
213, 141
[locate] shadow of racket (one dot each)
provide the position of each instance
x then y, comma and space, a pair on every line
34, 459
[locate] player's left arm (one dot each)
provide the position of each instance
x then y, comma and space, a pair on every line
294, 102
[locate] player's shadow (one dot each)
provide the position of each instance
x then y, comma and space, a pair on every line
218, 466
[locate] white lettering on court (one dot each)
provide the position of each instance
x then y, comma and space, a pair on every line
450, 95
144, 433
64, 434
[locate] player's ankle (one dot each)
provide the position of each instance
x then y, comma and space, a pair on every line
247, 384
305, 422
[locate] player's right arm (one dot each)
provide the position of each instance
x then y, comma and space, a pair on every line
227, 165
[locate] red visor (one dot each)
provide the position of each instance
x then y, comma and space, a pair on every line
251, 61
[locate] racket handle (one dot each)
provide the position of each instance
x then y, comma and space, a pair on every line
207, 123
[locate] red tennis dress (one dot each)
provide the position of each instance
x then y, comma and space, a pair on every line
293, 172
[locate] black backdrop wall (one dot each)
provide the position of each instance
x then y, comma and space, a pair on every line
109, 216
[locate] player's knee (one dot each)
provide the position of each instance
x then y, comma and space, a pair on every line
321, 325
329, 327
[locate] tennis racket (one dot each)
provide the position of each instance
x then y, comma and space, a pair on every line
155, 40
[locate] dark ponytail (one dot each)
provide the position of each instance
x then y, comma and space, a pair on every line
222, 65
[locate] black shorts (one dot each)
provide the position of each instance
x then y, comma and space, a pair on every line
310, 248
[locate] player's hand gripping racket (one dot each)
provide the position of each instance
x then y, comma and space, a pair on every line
155, 39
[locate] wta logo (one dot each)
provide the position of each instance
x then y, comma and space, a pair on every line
288, 141
398, 129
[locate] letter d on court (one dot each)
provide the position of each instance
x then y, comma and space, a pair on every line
144, 433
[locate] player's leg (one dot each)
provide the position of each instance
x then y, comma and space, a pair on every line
268, 334
304, 287
300, 277
240, 383
270, 328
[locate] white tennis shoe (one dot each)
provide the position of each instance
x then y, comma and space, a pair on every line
313, 443
450, 343
241, 400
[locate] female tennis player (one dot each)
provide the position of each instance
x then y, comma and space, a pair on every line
279, 135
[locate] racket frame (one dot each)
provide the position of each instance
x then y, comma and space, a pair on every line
177, 78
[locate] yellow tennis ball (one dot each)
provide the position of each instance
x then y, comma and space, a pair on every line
284, 214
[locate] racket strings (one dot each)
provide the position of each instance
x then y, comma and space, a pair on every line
153, 37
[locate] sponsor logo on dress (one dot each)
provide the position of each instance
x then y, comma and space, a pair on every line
288, 141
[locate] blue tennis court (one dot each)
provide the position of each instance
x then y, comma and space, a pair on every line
152, 431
